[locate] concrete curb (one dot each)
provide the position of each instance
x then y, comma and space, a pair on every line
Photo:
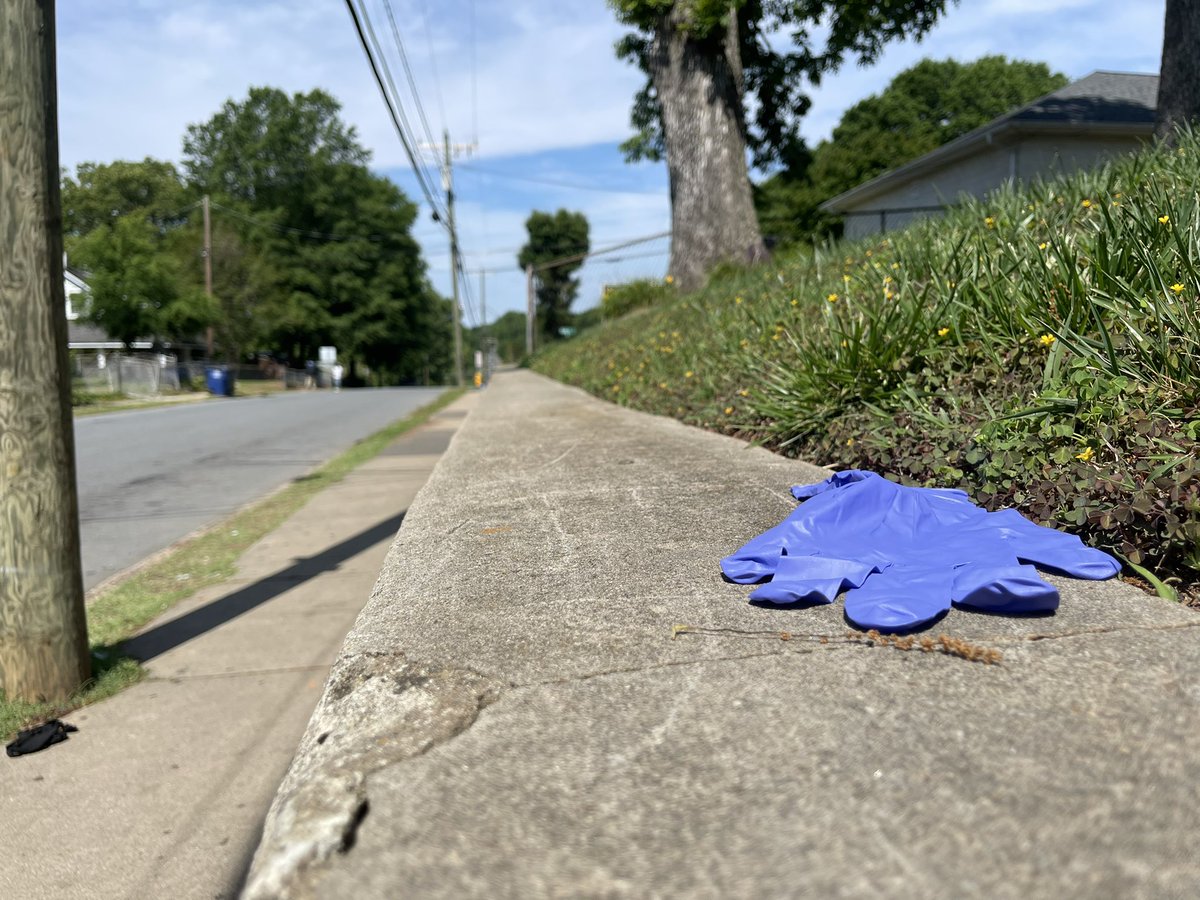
516, 714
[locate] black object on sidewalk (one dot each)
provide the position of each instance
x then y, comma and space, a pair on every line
32, 740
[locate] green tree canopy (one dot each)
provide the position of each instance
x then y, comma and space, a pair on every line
717, 85
554, 236
922, 108
343, 267
126, 224
101, 192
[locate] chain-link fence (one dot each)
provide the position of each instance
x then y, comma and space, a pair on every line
134, 375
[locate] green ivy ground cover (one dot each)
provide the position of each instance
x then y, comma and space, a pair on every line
1040, 349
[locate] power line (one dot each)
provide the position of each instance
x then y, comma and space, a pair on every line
532, 179
474, 81
399, 105
437, 82
287, 229
400, 132
576, 257
412, 84
517, 270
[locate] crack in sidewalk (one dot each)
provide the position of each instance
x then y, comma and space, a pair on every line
378, 709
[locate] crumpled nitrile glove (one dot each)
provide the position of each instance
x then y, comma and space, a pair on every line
904, 555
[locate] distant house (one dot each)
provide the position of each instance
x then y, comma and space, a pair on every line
81, 335
1079, 126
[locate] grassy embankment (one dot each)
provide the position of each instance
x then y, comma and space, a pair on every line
120, 610
1040, 349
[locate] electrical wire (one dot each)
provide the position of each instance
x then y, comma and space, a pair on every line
576, 257
287, 229
392, 112
412, 84
437, 82
532, 179
399, 104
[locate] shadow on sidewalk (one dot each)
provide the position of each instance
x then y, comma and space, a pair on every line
167, 636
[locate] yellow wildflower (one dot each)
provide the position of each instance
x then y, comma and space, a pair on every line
795, 303
895, 265
1177, 288
1046, 340
688, 374
832, 298
669, 279
1087, 204
728, 410
849, 442
942, 332
1085, 455
737, 299
888, 295
745, 343
887, 279
989, 222
1163, 220
743, 393
663, 385
846, 279
616, 387
1043, 245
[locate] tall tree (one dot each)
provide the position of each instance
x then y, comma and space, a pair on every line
708, 62
343, 268
554, 236
126, 224
922, 108
1179, 77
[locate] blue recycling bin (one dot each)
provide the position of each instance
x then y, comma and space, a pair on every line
219, 380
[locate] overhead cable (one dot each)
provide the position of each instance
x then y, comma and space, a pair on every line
392, 112
533, 179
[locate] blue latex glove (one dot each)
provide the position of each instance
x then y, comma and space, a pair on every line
904, 555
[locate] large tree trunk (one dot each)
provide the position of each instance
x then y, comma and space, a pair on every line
1179, 80
697, 82
43, 634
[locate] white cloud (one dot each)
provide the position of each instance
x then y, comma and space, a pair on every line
132, 76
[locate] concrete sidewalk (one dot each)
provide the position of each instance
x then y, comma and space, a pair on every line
162, 792
515, 715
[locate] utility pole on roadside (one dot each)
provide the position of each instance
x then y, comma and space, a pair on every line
448, 184
43, 626
208, 336
529, 308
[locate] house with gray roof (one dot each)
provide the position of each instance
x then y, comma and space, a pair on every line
1079, 126
82, 335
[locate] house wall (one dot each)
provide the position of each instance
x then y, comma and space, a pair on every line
978, 174
1045, 156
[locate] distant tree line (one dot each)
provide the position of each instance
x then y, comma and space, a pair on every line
309, 248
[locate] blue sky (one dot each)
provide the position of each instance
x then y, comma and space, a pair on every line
534, 83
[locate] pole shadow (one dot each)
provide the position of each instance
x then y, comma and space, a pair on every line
158, 640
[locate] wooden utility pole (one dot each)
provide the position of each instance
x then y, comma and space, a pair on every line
448, 183
43, 628
529, 308
208, 272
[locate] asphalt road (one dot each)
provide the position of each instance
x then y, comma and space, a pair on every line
149, 477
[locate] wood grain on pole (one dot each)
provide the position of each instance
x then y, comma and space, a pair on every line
43, 633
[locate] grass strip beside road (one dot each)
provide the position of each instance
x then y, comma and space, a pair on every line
122, 608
